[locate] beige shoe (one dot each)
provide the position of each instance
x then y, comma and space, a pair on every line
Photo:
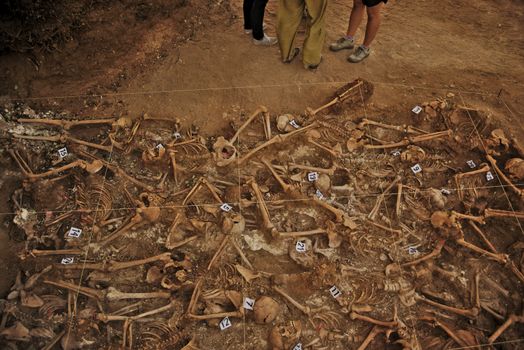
342, 44
359, 55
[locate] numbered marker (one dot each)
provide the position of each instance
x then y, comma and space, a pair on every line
177, 135
335, 292
159, 146
319, 194
417, 109
298, 346
249, 303
226, 207
62, 152
416, 168
225, 323
301, 246
471, 164
395, 153
67, 261
412, 250
489, 176
312, 177
74, 232
445, 191
294, 124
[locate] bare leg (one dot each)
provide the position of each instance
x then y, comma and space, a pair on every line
357, 13
374, 19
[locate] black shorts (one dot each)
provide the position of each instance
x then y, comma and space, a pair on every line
371, 3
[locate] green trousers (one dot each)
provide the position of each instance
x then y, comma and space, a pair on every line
290, 14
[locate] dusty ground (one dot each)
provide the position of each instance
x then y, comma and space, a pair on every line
206, 69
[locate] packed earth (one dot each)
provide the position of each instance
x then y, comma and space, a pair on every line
176, 199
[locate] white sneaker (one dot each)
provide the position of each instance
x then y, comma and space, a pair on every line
266, 41
249, 31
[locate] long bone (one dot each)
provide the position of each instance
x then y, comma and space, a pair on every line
497, 213
264, 212
302, 233
399, 128
376, 330
470, 313
458, 177
274, 140
339, 98
68, 124
109, 294
259, 110
92, 168
267, 125
498, 257
456, 338
108, 318
493, 162
389, 324
412, 140
510, 320
483, 236
373, 213
39, 252
305, 309
340, 215
65, 138
112, 266
335, 153
328, 171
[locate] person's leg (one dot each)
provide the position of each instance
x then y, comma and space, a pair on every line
357, 14
355, 18
315, 33
257, 18
247, 7
289, 16
374, 19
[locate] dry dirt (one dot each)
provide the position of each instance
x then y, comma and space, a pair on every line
187, 62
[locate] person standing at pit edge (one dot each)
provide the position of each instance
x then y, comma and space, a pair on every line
374, 8
290, 13
254, 22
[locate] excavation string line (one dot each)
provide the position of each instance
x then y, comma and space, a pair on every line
242, 87
496, 173
270, 201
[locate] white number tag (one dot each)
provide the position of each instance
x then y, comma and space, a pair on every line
294, 124
298, 346
67, 261
249, 303
62, 152
301, 246
226, 207
335, 292
445, 191
471, 164
416, 168
412, 250
489, 176
417, 109
395, 153
159, 146
225, 323
319, 194
312, 177
74, 232
177, 135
